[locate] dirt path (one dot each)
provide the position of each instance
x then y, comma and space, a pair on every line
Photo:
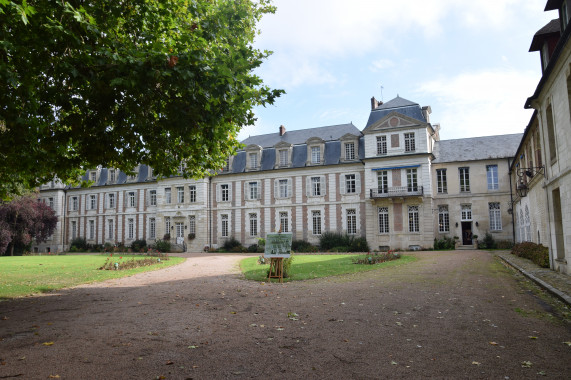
449, 314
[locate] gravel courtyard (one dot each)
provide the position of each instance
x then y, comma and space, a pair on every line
457, 314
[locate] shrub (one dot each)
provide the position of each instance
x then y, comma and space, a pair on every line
377, 257
253, 248
231, 244
331, 241
162, 245
167, 236
287, 266
108, 247
534, 252
303, 246
78, 244
139, 245
444, 243
488, 242
504, 244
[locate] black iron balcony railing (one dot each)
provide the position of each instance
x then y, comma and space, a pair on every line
398, 191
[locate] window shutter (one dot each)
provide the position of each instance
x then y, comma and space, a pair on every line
230, 192
358, 183
246, 191
323, 186
308, 186
276, 188
289, 190
342, 184
259, 194
218, 193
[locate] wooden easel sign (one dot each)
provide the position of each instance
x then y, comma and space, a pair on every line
278, 247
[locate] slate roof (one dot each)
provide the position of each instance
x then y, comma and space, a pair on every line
398, 104
552, 27
329, 133
552, 5
476, 148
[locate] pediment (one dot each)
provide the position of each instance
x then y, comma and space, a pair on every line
393, 120
282, 144
349, 136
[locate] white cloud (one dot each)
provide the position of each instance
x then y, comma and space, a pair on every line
381, 64
481, 103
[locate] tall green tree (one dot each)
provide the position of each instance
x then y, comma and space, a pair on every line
122, 82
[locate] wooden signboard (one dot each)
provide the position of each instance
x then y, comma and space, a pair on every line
278, 247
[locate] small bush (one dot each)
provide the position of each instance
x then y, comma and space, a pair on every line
358, 244
139, 245
375, 258
78, 244
487, 242
167, 236
330, 241
162, 245
303, 246
253, 248
444, 243
231, 244
534, 252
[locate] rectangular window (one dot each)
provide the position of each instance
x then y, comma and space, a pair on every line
74, 204
179, 229
351, 221
152, 228
316, 186
192, 224
224, 225
316, 218
315, 155
168, 198
413, 221
411, 180
253, 160
92, 204
441, 183
492, 173
226, 164
253, 224
443, 219
283, 187
111, 199
464, 179
153, 197
253, 190
93, 176
112, 175
110, 229
130, 229
284, 227
350, 151
551, 133
73, 230
180, 194
409, 142
192, 193
51, 203
381, 145
91, 230
466, 212
224, 192
131, 199
495, 216
283, 157
383, 220
167, 225
382, 182
350, 184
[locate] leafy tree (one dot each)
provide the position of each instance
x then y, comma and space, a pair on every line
118, 83
24, 219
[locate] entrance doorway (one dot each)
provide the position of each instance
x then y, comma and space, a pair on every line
467, 233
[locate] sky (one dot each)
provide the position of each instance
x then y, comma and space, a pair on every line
468, 60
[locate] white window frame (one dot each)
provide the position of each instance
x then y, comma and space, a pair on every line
351, 218
91, 229
192, 224
74, 203
316, 187
381, 145
383, 213
495, 216
111, 200
382, 181
464, 173
492, 177
152, 228
224, 225
253, 159
92, 202
350, 183
130, 229
168, 195
253, 218
192, 193
131, 200
73, 229
180, 194
152, 197
283, 157
411, 180
315, 155
466, 213
316, 221
441, 182
284, 221
350, 151
409, 142
224, 192
179, 229
253, 190
413, 219
51, 203
168, 225
110, 229
283, 188
443, 219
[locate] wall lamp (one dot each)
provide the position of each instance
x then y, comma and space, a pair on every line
521, 189
530, 172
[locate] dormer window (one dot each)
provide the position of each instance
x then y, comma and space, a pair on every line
253, 155
93, 176
112, 175
350, 151
315, 155
253, 158
315, 149
350, 146
283, 155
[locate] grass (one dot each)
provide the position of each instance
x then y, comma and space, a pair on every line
25, 275
305, 267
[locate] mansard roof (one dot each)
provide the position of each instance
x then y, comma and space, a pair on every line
329, 133
400, 105
552, 27
476, 148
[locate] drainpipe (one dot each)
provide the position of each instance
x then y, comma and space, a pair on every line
511, 201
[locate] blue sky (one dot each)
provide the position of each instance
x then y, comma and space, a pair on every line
469, 61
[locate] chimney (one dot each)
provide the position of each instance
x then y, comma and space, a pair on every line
375, 103
426, 111
282, 130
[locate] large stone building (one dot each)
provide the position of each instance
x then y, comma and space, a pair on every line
394, 183
542, 168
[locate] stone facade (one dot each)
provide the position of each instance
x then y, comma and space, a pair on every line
379, 183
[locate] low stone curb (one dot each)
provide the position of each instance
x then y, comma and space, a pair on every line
556, 292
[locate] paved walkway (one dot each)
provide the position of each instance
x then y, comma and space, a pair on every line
556, 283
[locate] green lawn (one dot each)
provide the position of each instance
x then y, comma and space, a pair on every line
305, 267
25, 275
